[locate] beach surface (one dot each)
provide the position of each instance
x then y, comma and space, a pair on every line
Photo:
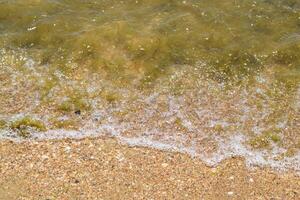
102, 168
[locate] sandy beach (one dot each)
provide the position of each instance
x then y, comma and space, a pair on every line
102, 168
153, 99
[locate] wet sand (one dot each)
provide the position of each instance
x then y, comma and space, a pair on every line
102, 168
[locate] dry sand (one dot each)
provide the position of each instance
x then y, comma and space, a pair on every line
102, 168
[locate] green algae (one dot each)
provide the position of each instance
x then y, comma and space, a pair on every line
46, 87
25, 125
67, 124
179, 124
260, 142
181, 33
264, 140
3, 124
74, 100
218, 128
110, 96
290, 152
73, 104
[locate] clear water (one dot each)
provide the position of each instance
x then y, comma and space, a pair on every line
211, 78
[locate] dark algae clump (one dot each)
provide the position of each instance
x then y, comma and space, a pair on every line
26, 124
2, 124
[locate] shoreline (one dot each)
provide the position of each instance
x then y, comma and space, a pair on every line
234, 149
103, 168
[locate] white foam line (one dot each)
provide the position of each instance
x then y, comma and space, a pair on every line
231, 147
145, 142
234, 147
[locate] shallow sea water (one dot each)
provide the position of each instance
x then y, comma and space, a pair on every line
214, 79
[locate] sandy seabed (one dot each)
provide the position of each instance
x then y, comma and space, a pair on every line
102, 168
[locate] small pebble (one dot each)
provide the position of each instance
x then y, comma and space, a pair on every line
230, 193
213, 170
164, 164
68, 149
77, 112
